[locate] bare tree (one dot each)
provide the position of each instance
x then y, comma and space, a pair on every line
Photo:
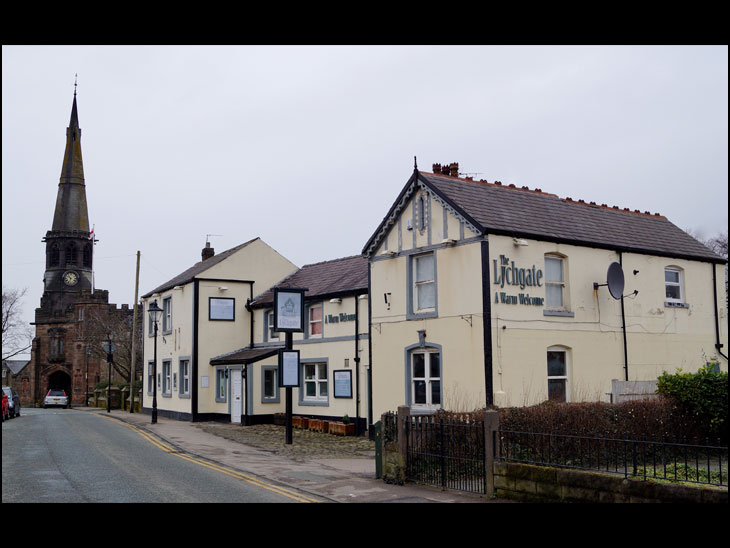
17, 335
102, 325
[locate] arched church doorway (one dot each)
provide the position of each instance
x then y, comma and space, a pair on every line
60, 380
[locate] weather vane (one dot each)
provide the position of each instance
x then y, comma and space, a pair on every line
76, 77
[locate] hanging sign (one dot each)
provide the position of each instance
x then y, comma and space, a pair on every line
289, 310
288, 368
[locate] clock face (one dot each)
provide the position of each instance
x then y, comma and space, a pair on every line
70, 278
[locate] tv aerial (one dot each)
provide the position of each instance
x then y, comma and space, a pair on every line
614, 281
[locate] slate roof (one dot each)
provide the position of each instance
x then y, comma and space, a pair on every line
518, 211
15, 366
198, 268
338, 277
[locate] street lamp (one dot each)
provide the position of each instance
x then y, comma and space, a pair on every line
88, 353
154, 312
109, 348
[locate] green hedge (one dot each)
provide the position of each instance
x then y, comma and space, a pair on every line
701, 397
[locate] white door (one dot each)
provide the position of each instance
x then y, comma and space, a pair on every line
236, 395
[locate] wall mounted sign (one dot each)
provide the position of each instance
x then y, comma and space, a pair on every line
510, 274
289, 310
288, 368
342, 383
330, 318
220, 308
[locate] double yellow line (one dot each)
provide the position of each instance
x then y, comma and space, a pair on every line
299, 497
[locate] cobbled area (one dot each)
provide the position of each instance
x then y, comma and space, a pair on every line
305, 443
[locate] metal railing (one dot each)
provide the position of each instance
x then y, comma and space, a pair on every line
446, 452
660, 460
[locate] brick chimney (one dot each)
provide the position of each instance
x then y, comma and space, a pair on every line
208, 251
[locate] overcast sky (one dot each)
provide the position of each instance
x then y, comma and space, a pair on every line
308, 146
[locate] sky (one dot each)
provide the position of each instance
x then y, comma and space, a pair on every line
307, 147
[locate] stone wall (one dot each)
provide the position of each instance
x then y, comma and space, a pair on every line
545, 484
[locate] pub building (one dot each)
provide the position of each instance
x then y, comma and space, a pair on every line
492, 294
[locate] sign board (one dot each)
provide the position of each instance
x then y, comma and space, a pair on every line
220, 308
343, 383
288, 368
289, 310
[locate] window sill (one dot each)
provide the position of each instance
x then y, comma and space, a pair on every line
562, 313
670, 304
320, 403
421, 315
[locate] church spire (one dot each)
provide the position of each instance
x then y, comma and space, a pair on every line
71, 213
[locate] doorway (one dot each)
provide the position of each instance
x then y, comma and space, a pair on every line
236, 396
59, 381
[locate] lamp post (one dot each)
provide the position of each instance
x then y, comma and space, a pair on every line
109, 347
88, 353
154, 312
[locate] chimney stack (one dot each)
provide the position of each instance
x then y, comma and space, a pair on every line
208, 251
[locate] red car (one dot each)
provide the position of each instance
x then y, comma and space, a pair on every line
6, 407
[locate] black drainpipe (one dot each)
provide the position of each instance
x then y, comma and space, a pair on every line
196, 313
357, 366
718, 346
487, 325
370, 355
623, 326
245, 365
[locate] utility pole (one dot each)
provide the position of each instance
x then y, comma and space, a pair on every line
133, 365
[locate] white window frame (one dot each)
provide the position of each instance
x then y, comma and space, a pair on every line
555, 283
428, 379
184, 377
417, 284
221, 384
320, 321
271, 335
166, 377
566, 377
274, 396
318, 380
679, 283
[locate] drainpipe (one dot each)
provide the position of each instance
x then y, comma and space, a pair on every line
357, 366
718, 346
623, 326
370, 356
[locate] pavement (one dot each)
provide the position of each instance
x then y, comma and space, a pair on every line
320, 467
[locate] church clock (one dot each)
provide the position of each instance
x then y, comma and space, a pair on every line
70, 278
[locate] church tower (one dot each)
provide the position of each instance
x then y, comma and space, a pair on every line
63, 355
69, 251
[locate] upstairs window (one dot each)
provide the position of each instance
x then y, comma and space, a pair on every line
424, 283
167, 315
554, 282
315, 320
673, 285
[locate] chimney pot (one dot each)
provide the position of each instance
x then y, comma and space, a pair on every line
454, 169
436, 168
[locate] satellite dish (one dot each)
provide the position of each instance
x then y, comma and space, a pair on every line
615, 280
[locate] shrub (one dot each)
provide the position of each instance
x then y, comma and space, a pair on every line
699, 397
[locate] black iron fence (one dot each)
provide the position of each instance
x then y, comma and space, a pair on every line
446, 452
662, 460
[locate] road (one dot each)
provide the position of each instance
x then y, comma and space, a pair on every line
64, 455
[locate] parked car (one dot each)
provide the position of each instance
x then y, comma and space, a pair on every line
13, 401
55, 397
6, 408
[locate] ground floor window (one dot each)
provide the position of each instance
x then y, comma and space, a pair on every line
315, 382
184, 378
166, 377
425, 370
269, 385
150, 377
557, 374
221, 377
